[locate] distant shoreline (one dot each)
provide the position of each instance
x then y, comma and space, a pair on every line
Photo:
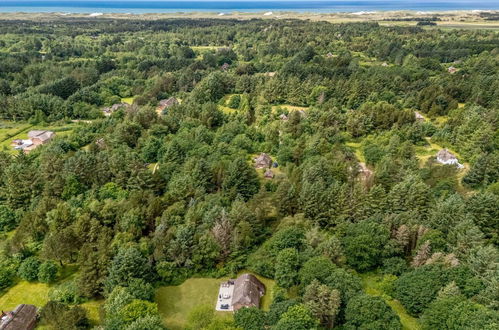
446, 19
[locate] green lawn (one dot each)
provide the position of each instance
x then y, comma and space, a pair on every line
37, 294
371, 282
25, 293
289, 107
128, 100
176, 302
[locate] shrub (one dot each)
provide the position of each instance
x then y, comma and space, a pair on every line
28, 270
47, 272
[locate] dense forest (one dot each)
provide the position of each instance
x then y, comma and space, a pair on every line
351, 215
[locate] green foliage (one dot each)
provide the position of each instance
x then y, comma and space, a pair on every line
127, 265
250, 318
29, 268
8, 218
297, 317
241, 179
286, 268
417, 288
47, 272
60, 316
367, 312
364, 243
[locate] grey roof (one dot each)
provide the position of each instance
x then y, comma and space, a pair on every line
22, 318
247, 291
263, 160
168, 102
445, 155
42, 135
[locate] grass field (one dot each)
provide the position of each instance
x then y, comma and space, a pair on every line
25, 293
371, 286
38, 294
176, 302
128, 100
289, 107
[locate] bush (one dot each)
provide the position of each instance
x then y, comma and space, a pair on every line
47, 272
417, 289
28, 270
6, 277
367, 312
250, 318
8, 218
66, 293
395, 266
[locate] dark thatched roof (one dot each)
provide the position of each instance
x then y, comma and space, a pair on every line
22, 318
247, 292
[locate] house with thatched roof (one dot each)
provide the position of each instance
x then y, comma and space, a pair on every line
268, 174
247, 292
446, 157
166, 103
24, 317
263, 161
108, 111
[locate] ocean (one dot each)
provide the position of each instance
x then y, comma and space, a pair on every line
161, 6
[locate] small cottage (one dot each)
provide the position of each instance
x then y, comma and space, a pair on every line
247, 292
108, 111
166, 103
24, 317
269, 174
263, 161
446, 157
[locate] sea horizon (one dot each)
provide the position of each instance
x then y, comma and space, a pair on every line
318, 6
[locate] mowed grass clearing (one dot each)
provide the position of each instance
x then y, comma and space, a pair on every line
25, 293
176, 302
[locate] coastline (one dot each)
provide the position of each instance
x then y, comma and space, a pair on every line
446, 19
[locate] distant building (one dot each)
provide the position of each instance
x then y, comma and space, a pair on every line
225, 66
452, 69
247, 292
108, 111
269, 174
24, 317
446, 157
329, 54
36, 138
263, 161
167, 103
418, 116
